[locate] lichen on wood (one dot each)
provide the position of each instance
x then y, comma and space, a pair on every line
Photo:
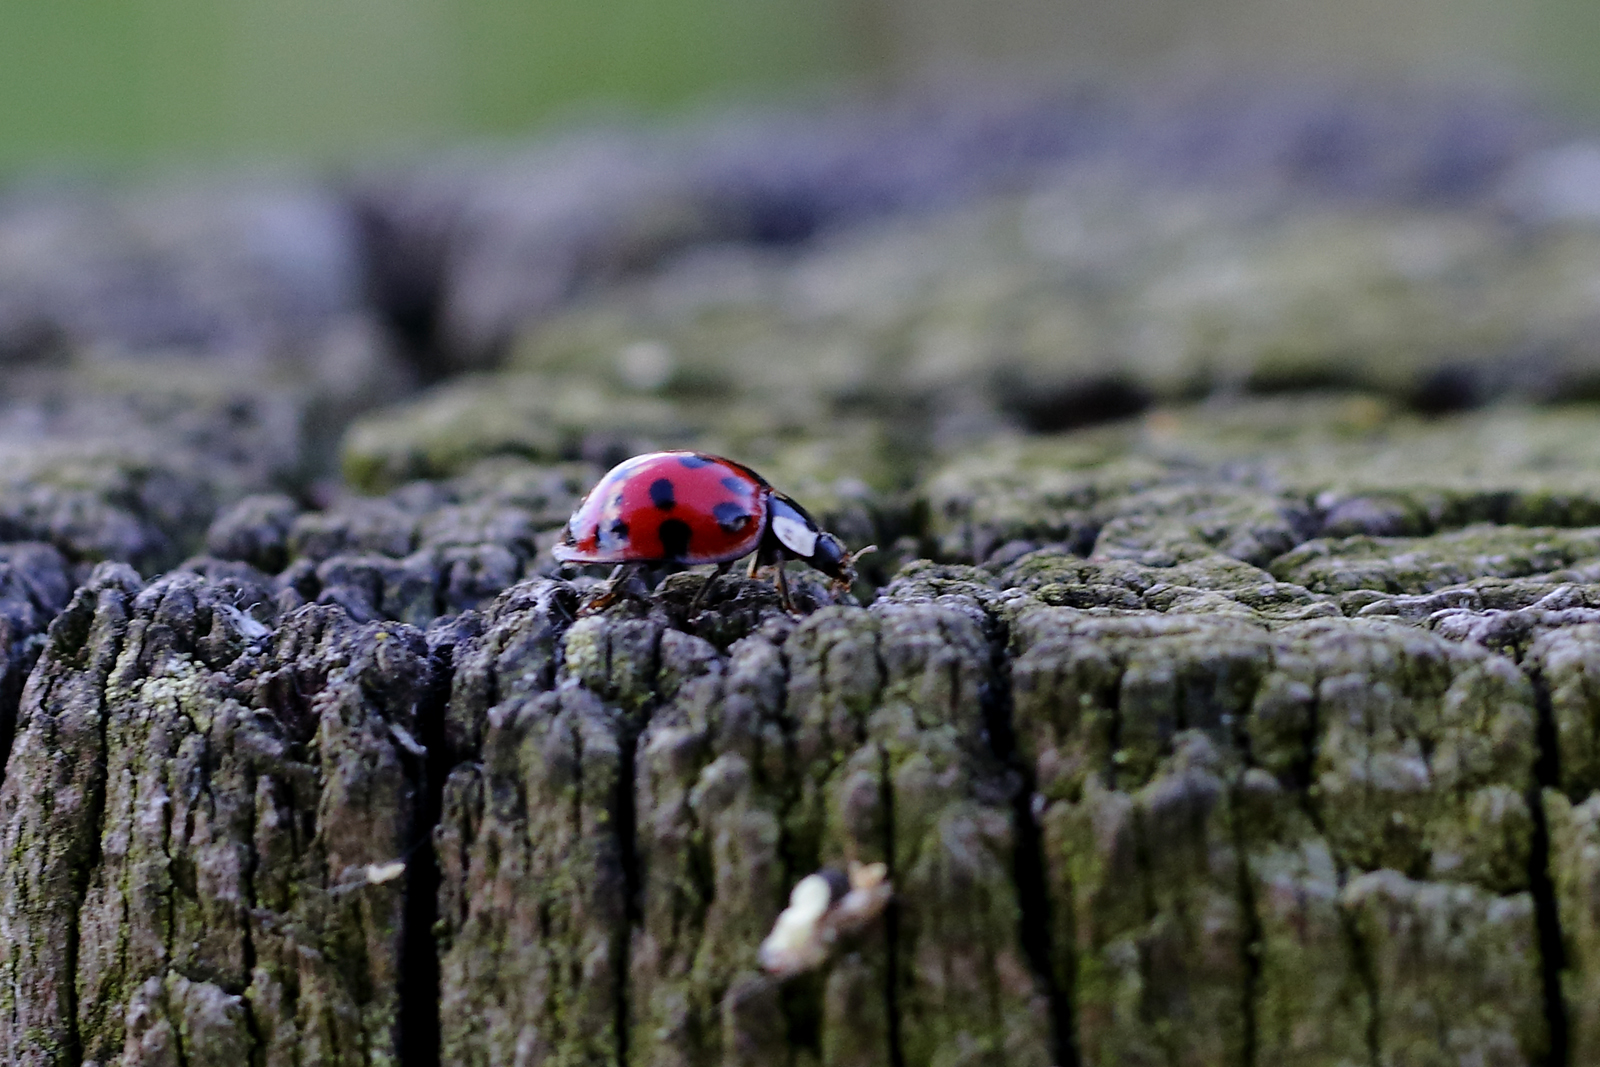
1223, 693
202, 808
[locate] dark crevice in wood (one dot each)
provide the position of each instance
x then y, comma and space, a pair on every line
632, 878
1546, 909
419, 1032
1254, 935
891, 924
1036, 923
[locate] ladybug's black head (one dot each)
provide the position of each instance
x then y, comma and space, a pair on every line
832, 558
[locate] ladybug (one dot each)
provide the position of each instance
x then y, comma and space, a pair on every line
690, 507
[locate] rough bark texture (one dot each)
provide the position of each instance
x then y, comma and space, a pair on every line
1258, 725
201, 811
1117, 834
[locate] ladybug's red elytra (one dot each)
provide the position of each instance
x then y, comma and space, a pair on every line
690, 507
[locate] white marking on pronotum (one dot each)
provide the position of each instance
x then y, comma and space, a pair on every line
816, 917
796, 536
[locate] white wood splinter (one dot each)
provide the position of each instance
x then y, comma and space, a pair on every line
824, 907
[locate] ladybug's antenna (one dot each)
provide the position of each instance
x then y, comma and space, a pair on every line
847, 568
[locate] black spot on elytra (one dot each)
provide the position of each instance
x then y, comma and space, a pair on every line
735, 485
675, 534
662, 495
694, 461
733, 518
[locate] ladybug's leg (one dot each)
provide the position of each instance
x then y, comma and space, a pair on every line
614, 586
767, 553
782, 582
722, 568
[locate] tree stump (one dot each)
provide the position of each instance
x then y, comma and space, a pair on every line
1224, 693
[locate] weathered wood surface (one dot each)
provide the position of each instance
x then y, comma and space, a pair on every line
1258, 725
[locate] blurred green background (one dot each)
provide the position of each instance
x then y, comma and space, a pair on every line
127, 81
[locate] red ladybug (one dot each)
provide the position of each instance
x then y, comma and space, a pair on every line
690, 507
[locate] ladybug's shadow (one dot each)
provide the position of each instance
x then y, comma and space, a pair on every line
730, 608
734, 607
